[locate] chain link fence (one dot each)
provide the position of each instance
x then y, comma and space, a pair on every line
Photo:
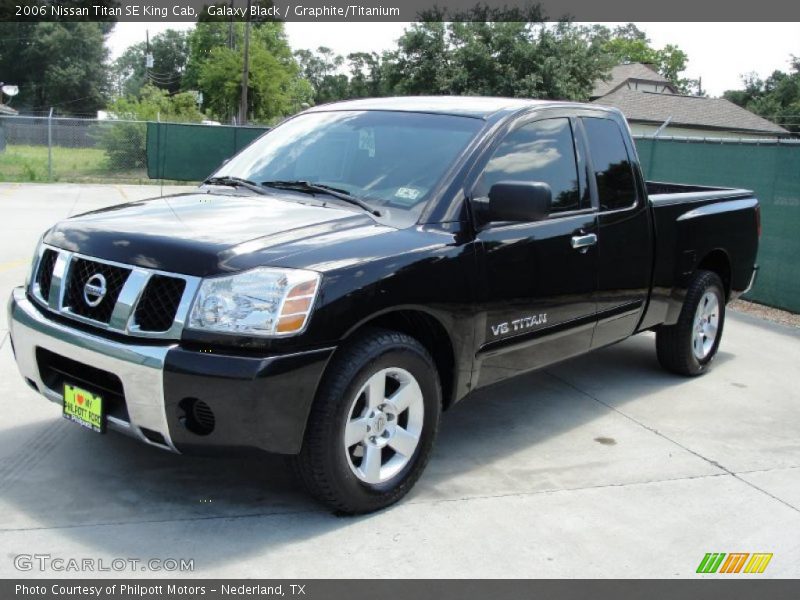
72, 150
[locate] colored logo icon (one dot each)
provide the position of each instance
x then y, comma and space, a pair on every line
735, 562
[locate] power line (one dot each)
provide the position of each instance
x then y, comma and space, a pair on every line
164, 79
172, 74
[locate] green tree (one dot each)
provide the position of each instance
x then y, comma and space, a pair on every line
776, 98
571, 61
524, 59
321, 69
421, 64
628, 43
155, 104
170, 51
366, 75
58, 64
753, 88
216, 58
206, 36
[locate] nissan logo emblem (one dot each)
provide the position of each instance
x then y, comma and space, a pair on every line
94, 290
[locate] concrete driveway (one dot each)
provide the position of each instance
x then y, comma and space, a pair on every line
603, 466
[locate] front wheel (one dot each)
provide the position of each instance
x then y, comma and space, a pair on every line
689, 346
373, 423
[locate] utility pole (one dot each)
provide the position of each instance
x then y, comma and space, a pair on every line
50, 145
700, 90
148, 57
245, 68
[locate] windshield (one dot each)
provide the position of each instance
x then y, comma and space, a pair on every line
391, 160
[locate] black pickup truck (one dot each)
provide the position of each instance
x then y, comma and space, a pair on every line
365, 265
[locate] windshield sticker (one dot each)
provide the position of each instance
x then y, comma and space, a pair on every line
366, 140
407, 193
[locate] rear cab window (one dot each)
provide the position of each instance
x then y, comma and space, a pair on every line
613, 168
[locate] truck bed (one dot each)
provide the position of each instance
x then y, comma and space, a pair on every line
692, 222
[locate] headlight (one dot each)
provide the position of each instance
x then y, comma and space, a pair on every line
264, 301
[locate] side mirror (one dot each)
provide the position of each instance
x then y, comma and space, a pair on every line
519, 201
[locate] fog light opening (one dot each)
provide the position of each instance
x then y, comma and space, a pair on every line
197, 416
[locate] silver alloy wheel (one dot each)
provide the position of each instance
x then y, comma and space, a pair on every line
384, 425
706, 324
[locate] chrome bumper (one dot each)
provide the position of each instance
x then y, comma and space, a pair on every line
139, 367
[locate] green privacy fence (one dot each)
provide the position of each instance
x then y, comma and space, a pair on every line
191, 152
772, 171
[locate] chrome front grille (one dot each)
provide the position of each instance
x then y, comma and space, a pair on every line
44, 276
122, 298
159, 303
80, 272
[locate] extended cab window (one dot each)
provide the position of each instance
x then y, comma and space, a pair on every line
612, 166
539, 151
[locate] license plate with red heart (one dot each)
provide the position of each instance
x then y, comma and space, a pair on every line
84, 408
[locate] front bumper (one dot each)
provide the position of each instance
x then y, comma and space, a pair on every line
257, 402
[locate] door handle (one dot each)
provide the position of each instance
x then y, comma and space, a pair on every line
582, 242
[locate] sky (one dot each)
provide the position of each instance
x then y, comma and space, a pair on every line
720, 53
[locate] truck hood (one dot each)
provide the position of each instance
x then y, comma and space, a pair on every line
206, 233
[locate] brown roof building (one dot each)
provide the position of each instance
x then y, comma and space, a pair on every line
649, 100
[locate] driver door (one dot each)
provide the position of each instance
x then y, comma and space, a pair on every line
538, 278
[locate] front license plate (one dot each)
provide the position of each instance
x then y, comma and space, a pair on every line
84, 408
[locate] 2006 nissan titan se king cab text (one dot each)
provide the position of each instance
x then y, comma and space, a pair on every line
363, 266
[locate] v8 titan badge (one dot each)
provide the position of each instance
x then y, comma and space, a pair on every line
519, 324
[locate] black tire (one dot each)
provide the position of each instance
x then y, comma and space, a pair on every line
674, 342
323, 464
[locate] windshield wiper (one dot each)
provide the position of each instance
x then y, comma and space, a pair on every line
320, 188
236, 182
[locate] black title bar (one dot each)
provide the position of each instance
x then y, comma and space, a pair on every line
400, 10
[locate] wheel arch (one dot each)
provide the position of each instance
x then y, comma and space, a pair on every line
428, 330
717, 261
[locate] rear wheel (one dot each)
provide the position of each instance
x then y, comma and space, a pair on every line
689, 346
373, 423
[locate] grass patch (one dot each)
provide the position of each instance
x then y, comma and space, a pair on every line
21, 163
